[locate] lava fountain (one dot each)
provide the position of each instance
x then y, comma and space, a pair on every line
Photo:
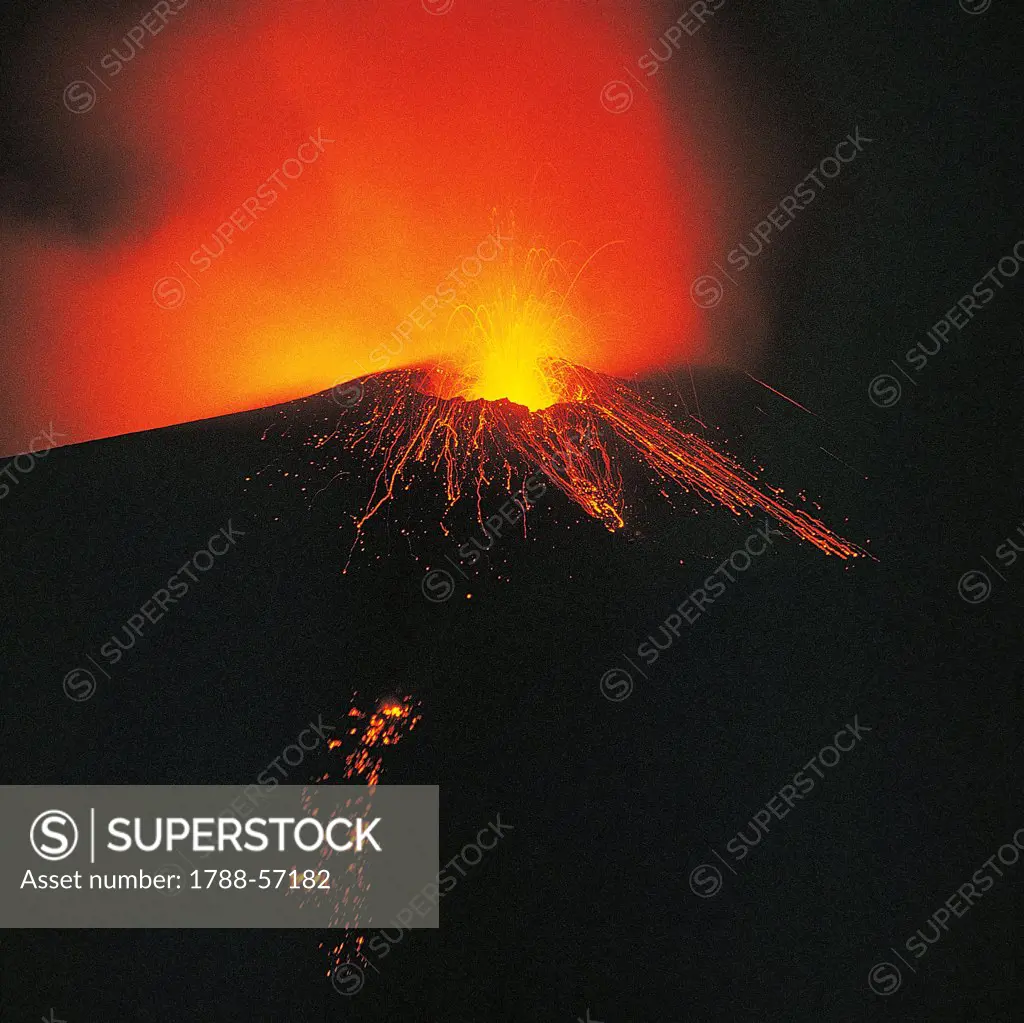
505, 396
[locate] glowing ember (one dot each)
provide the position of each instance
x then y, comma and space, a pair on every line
368, 734
367, 739
498, 347
506, 395
507, 400
471, 443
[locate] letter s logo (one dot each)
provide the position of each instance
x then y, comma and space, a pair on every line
54, 826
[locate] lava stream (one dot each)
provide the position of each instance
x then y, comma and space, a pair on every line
471, 443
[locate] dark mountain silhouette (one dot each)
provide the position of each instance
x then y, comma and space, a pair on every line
508, 669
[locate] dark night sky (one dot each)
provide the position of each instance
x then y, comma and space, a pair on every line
588, 903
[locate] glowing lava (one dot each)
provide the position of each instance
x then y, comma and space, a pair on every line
506, 401
251, 234
368, 736
500, 347
470, 444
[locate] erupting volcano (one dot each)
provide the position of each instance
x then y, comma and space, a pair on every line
306, 223
472, 443
505, 402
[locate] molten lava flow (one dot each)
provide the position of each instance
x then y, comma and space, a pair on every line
507, 399
507, 396
472, 443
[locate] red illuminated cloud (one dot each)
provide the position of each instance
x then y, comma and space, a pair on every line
305, 179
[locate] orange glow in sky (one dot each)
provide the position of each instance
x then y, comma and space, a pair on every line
304, 188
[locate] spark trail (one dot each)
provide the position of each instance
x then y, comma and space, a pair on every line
509, 397
470, 444
367, 739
